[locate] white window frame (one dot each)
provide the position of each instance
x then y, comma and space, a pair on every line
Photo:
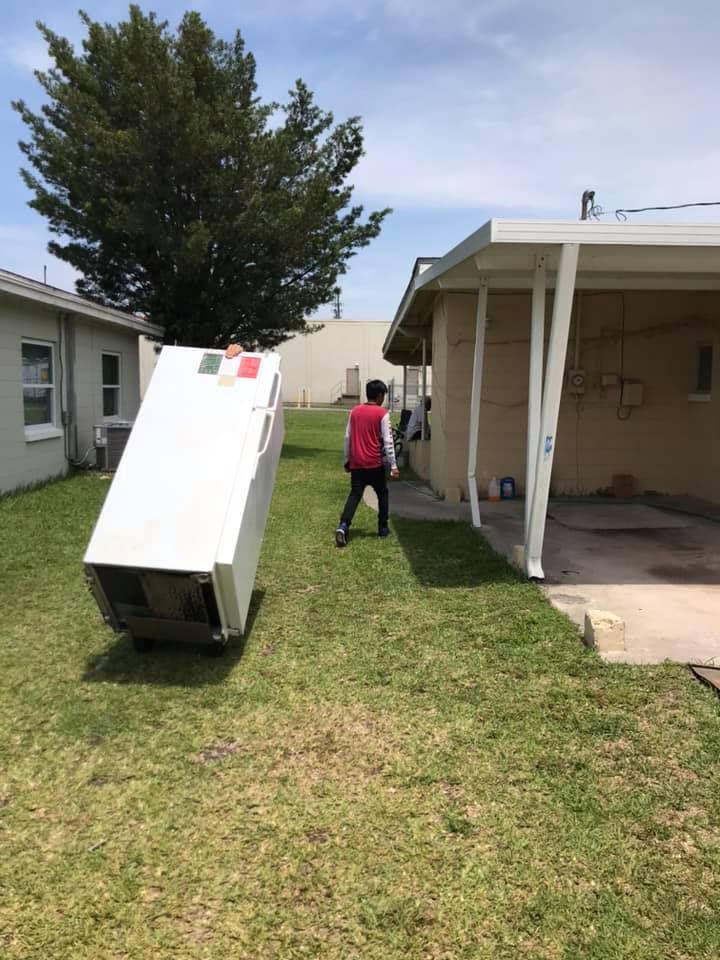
111, 386
41, 431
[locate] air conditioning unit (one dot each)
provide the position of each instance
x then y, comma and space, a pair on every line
110, 440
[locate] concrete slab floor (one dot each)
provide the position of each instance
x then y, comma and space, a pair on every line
657, 569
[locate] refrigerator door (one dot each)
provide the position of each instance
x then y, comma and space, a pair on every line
168, 503
244, 527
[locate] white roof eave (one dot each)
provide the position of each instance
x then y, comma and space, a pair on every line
36, 292
545, 234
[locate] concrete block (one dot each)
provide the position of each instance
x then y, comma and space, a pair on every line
605, 631
518, 556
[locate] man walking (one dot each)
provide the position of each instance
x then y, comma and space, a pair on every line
368, 442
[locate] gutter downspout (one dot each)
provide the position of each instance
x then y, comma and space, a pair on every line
475, 394
66, 354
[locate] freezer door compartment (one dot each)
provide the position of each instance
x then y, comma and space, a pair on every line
239, 550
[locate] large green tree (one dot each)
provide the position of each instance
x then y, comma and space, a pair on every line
177, 193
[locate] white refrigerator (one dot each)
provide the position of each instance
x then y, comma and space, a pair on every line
175, 549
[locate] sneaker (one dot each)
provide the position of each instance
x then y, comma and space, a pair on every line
341, 535
384, 532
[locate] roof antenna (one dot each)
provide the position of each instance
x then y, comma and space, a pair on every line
588, 201
337, 304
45, 274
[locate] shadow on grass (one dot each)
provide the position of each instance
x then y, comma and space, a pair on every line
174, 665
295, 451
451, 554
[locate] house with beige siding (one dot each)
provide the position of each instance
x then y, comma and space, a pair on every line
575, 357
66, 365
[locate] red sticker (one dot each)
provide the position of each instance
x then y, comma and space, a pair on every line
249, 367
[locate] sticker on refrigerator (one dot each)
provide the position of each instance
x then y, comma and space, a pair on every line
249, 367
225, 381
210, 363
548, 446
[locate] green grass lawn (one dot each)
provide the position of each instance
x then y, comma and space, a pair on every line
413, 757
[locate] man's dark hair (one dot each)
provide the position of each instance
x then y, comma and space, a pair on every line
375, 389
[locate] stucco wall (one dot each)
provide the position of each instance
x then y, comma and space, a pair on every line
452, 353
669, 443
24, 462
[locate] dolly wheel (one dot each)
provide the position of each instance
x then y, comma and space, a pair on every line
142, 644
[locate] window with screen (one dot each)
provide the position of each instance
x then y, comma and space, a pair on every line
38, 384
111, 384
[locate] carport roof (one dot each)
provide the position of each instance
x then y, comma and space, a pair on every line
502, 253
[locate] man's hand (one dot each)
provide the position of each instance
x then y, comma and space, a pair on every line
233, 350
394, 473
347, 467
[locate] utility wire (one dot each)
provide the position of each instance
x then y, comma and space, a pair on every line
622, 214
595, 211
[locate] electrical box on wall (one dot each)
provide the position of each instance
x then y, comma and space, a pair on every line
632, 393
576, 380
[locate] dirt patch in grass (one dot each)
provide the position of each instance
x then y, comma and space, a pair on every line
344, 745
219, 751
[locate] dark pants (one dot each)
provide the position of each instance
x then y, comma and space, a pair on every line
359, 479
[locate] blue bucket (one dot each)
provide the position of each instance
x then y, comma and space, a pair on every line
507, 488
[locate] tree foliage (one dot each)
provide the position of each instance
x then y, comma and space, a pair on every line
177, 193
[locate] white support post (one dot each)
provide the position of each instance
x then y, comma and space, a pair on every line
475, 394
552, 394
404, 403
424, 388
537, 348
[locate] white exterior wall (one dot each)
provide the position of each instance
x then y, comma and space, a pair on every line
149, 350
26, 462
23, 462
91, 341
319, 361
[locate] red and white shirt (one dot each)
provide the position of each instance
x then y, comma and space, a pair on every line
368, 438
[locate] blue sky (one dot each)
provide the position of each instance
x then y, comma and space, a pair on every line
472, 109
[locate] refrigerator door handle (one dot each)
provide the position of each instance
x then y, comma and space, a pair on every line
275, 393
268, 429
269, 419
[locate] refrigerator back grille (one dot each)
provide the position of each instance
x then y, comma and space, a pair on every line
158, 595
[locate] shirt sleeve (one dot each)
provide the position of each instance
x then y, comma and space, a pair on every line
413, 424
387, 439
346, 443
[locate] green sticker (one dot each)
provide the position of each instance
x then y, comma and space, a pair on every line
210, 363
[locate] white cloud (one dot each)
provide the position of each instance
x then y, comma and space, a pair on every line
552, 112
25, 52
